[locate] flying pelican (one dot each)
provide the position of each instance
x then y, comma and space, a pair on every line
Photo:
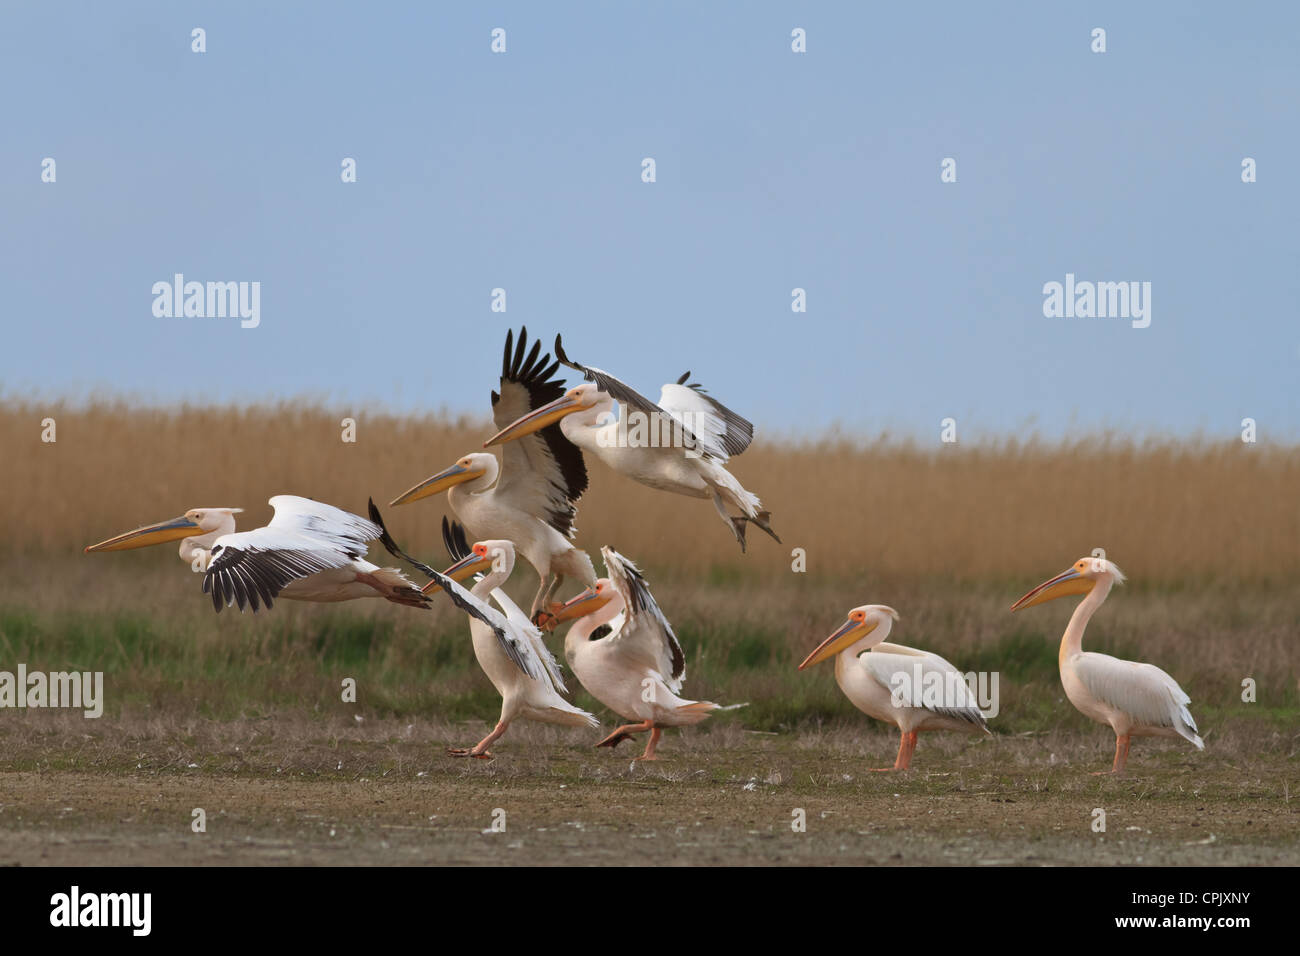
308, 552
681, 444
623, 650
531, 499
1136, 700
506, 644
912, 689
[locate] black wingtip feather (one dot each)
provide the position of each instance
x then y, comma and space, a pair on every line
454, 539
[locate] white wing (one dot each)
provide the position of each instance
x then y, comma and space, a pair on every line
519, 639
1143, 691
631, 399
925, 680
543, 474
305, 537
346, 531
720, 431
645, 633
514, 643
531, 636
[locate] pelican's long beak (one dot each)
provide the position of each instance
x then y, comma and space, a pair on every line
536, 420
849, 633
1063, 585
439, 482
466, 567
581, 605
164, 531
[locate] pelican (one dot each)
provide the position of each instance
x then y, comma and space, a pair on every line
623, 650
531, 499
1136, 700
681, 444
912, 689
308, 552
506, 644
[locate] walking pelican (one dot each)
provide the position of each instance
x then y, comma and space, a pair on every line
624, 652
1136, 700
309, 551
531, 498
913, 690
506, 644
682, 444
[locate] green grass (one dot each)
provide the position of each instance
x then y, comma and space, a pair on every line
742, 646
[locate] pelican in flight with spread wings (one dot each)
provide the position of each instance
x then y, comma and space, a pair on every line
911, 689
309, 551
682, 444
506, 644
623, 650
1136, 700
531, 498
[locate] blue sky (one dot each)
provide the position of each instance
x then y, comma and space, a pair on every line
774, 171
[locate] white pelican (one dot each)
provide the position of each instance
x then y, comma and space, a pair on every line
1136, 700
623, 650
681, 444
530, 500
308, 552
912, 689
506, 644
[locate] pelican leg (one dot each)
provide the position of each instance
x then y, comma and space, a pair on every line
624, 732
1121, 756
480, 749
763, 521
540, 597
649, 754
737, 525
408, 597
906, 746
543, 613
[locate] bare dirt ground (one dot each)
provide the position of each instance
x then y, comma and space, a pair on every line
275, 792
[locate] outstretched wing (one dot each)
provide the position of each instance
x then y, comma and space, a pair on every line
543, 472
305, 537
454, 539
529, 633
720, 431
514, 643
631, 398
511, 630
392, 546
344, 530
645, 631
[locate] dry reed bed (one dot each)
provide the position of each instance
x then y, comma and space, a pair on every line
1169, 514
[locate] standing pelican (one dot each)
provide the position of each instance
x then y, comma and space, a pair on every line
623, 650
911, 689
681, 444
531, 499
1136, 700
506, 644
309, 551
